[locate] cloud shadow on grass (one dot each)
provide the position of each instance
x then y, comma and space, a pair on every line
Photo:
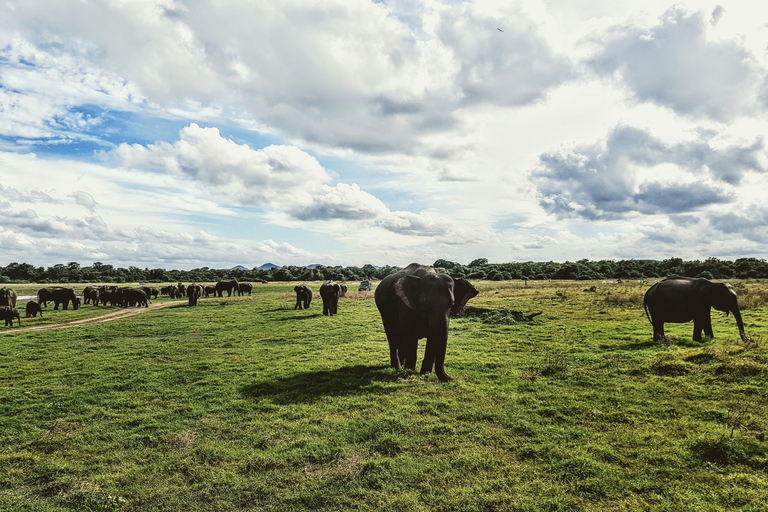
309, 387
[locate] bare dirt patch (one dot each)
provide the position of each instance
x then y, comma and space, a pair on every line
109, 317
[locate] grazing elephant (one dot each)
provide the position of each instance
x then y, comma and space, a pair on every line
8, 313
365, 286
130, 297
330, 292
58, 295
682, 299
416, 303
194, 291
243, 288
181, 291
152, 293
7, 297
33, 308
303, 296
209, 290
343, 291
230, 285
88, 294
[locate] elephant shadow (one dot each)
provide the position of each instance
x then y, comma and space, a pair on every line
309, 387
304, 316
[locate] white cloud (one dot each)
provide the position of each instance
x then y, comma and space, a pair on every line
676, 65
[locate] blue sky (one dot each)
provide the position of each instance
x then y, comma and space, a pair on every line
191, 133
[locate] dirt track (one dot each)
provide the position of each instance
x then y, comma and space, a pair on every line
115, 315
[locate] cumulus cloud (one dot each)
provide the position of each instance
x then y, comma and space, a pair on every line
84, 199
611, 179
278, 178
674, 64
510, 67
42, 85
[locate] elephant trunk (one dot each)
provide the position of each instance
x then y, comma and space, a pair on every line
739, 324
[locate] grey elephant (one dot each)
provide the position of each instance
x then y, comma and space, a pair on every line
416, 303
228, 285
7, 297
682, 299
194, 292
32, 309
58, 295
8, 313
330, 293
209, 290
303, 296
243, 288
130, 297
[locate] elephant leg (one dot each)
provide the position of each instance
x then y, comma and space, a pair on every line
708, 327
697, 328
658, 331
394, 337
409, 350
429, 358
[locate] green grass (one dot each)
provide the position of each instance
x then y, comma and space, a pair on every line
244, 403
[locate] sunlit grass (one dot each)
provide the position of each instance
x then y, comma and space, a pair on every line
244, 403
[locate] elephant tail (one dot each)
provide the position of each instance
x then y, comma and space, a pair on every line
647, 312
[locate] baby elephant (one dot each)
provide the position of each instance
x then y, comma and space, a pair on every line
33, 308
8, 313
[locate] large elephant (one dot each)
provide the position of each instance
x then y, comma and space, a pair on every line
230, 285
243, 288
682, 299
32, 309
8, 313
330, 293
194, 292
58, 295
7, 297
416, 303
303, 296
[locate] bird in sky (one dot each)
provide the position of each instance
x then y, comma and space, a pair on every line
497, 28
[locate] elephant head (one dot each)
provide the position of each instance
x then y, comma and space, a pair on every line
722, 297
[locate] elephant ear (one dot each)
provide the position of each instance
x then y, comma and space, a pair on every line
407, 289
462, 292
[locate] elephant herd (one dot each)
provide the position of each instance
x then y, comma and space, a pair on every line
414, 303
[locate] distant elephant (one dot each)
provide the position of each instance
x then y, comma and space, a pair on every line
230, 285
8, 313
130, 297
152, 293
105, 297
682, 299
330, 292
343, 291
181, 291
243, 288
365, 286
194, 291
303, 296
58, 295
209, 290
33, 308
7, 297
91, 295
415, 303
87, 294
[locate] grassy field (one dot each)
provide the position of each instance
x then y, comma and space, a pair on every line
244, 403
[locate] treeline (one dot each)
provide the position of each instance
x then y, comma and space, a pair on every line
479, 269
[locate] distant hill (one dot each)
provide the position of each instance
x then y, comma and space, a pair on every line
239, 267
316, 265
268, 266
